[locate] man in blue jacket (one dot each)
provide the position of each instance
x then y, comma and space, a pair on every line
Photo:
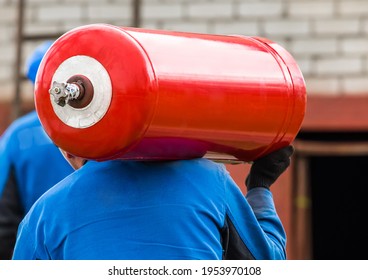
29, 165
184, 209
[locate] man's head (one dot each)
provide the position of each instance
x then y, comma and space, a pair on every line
34, 60
74, 161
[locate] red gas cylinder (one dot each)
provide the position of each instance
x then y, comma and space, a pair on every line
106, 92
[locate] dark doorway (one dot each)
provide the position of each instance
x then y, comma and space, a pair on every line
339, 199
339, 193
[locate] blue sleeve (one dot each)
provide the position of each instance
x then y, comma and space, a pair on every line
5, 161
26, 247
261, 201
11, 209
256, 223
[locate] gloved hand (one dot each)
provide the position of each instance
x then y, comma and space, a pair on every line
265, 171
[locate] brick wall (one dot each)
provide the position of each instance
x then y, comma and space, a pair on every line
329, 39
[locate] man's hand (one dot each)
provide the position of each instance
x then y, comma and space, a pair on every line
265, 171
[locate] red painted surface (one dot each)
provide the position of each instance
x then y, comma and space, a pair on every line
339, 114
179, 95
5, 115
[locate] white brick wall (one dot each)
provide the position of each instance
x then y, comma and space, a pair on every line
355, 45
329, 38
314, 46
210, 10
261, 9
355, 85
312, 9
241, 27
338, 66
287, 27
163, 12
337, 27
323, 85
108, 12
58, 13
352, 8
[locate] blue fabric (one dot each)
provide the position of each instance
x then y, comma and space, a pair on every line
37, 162
147, 210
33, 61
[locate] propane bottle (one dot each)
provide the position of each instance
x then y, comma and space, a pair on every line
107, 92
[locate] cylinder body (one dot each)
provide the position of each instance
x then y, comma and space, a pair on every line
161, 95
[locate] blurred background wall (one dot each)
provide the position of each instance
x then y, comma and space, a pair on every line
328, 38
320, 199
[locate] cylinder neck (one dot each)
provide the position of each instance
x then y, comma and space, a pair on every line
77, 92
